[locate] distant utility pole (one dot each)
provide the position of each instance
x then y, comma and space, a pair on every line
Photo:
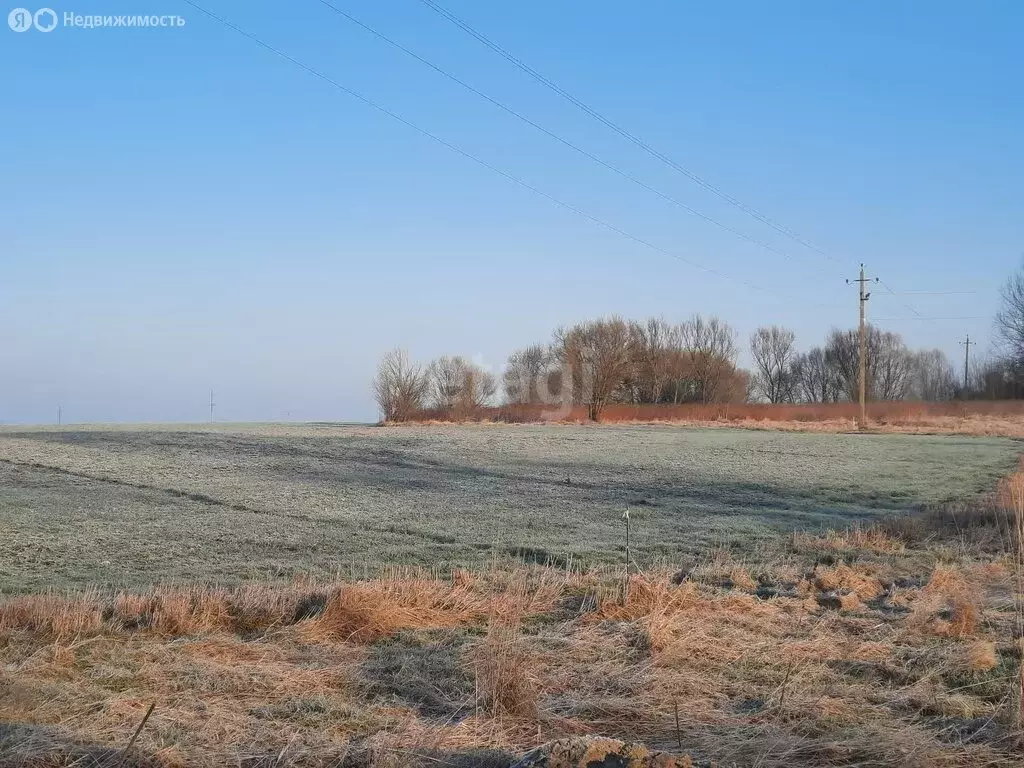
864, 296
967, 343
60, 415
211, 406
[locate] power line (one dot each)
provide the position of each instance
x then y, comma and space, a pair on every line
918, 315
905, 304
927, 319
510, 177
937, 293
546, 82
633, 138
551, 134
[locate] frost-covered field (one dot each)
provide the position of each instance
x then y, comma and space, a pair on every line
132, 505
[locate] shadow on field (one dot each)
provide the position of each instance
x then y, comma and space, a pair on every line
34, 746
133, 506
354, 463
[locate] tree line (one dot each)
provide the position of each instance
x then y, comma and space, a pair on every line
614, 360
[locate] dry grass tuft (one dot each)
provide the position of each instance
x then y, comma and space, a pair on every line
850, 602
980, 656
505, 682
873, 650
364, 613
646, 598
858, 538
740, 578
948, 605
957, 705
52, 616
963, 621
844, 578
1010, 495
947, 580
360, 612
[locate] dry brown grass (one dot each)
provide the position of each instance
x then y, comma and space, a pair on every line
980, 656
1011, 499
752, 671
973, 417
843, 577
857, 538
903, 649
506, 682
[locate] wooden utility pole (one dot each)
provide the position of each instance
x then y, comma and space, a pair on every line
211, 406
967, 360
862, 420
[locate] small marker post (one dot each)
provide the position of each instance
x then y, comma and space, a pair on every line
625, 578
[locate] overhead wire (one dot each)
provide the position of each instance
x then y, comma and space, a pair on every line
937, 293
557, 201
458, 150
902, 319
626, 134
561, 139
633, 138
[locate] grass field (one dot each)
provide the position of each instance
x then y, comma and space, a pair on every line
131, 506
848, 642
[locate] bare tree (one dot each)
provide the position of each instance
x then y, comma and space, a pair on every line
399, 386
773, 349
890, 366
814, 377
480, 388
596, 356
996, 378
454, 383
931, 376
652, 345
888, 363
1010, 318
842, 357
710, 351
447, 380
525, 377
734, 386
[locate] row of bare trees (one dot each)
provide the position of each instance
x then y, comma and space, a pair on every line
598, 362
615, 360
612, 360
593, 363
830, 373
452, 385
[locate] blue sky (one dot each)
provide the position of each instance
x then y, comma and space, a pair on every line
181, 209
